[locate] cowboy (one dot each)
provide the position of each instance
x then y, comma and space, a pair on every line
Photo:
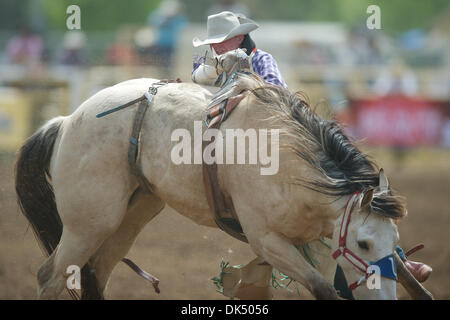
228, 33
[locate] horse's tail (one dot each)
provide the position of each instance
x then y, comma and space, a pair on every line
34, 192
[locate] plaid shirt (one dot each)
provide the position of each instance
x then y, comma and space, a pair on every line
263, 63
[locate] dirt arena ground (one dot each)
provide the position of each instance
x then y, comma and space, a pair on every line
185, 256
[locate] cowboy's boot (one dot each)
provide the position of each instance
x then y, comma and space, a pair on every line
419, 270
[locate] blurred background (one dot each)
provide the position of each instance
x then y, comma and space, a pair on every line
390, 87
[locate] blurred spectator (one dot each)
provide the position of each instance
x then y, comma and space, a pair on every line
144, 39
73, 50
364, 47
122, 51
25, 48
169, 20
396, 79
228, 5
413, 39
309, 53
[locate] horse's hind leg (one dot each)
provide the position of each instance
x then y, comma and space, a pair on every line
141, 209
74, 249
85, 229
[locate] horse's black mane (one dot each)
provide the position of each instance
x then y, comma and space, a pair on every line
344, 167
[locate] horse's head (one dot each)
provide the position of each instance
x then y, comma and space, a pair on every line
364, 243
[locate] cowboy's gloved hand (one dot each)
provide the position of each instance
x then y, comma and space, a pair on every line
211, 61
233, 60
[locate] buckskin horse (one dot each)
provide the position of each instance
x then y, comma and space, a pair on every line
86, 208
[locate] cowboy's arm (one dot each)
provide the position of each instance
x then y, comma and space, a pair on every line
266, 66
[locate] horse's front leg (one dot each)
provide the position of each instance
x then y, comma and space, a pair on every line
278, 251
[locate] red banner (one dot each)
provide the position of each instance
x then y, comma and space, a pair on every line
397, 120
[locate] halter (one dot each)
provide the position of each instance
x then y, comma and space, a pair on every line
386, 264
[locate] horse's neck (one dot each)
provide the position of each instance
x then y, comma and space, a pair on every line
335, 206
326, 210
314, 209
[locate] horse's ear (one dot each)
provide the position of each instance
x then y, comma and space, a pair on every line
384, 183
367, 198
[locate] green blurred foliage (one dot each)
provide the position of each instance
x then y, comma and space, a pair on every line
12, 14
96, 15
396, 15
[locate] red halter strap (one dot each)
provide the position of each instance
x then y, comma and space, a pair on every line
351, 257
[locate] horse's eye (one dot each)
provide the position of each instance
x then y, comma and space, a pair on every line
363, 245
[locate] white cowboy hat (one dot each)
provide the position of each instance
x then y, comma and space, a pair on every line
224, 26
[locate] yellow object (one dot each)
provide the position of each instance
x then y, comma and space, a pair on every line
15, 119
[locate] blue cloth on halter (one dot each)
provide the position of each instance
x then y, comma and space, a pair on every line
388, 268
400, 252
340, 282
